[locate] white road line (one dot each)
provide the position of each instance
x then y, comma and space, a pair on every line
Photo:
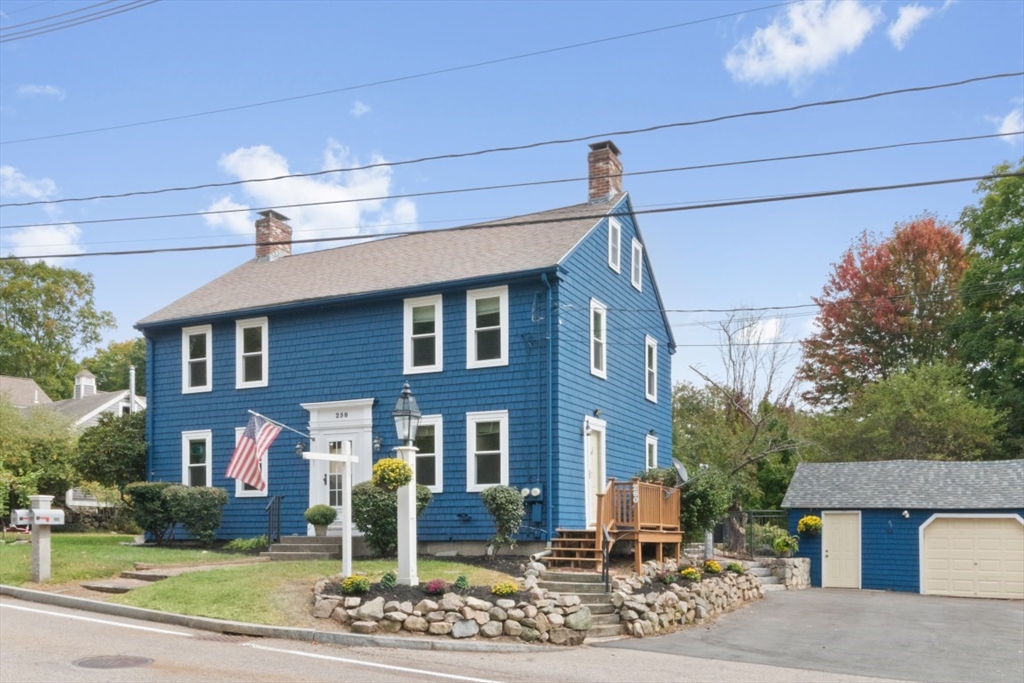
370, 664
97, 621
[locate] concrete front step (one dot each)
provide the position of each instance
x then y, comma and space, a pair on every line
310, 540
571, 577
604, 631
572, 588
281, 556
305, 548
769, 587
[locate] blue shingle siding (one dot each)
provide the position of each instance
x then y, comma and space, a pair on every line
890, 552
344, 351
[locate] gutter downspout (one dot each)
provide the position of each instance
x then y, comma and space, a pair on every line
131, 388
550, 429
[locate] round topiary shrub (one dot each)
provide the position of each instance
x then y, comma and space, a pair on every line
506, 507
321, 515
391, 474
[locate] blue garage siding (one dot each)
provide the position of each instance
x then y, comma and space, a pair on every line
890, 547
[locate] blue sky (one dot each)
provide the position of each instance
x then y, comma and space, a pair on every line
176, 58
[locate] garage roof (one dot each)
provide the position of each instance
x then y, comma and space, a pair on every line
915, 484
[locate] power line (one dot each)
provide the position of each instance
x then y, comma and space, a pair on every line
534, 145
399, 79
432, 193
60, 26
25, 9
55, 16
541, 221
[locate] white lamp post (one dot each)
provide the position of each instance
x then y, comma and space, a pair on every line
407, 420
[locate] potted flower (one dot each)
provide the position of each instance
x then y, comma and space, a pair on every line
321, 516
786, 545
809, 525
391, 474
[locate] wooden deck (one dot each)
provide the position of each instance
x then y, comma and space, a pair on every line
634, 511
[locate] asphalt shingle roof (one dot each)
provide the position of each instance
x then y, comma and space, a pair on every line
21, 391
488, 249
912, 484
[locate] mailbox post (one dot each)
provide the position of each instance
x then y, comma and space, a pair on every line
42, 518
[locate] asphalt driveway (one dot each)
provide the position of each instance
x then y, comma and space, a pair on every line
867, 633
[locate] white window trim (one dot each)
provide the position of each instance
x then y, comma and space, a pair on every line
648, 442
192, 436
186, 332
471, 298
240, 490
437, 302
651, 392
438, 422
614, 245
471, 420
601, 372
636, 264
240, 327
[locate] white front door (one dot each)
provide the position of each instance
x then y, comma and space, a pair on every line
840, 548
339, 427
593, 465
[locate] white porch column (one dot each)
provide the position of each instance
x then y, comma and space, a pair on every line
346, 511
407, 572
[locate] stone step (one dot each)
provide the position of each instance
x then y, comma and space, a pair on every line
605, 631
305, 548
286, 556
572, 588
601, 610
310, 540
148, 575
768, 587
759, 571
116, 586
571, 577
605, 619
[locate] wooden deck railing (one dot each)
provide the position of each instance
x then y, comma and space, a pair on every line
636, 506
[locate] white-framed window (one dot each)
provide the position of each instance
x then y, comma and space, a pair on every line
487, 327
251, 353
430, 456
196, 359
196, 458
636, 266
614, 244
424, 339
243, 490
651, 448
598, 339
486, 450
651, 368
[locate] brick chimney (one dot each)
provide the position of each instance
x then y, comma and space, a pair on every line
605, 171
273, 228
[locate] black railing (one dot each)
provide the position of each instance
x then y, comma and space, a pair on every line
606, 557
754, 531
274, 519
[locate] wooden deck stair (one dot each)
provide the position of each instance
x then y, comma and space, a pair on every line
575, 549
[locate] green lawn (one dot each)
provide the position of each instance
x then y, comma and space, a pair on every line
80, 557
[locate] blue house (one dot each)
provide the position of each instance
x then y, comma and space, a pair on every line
537, 348
923, 526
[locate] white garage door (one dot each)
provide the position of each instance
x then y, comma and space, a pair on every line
978, 557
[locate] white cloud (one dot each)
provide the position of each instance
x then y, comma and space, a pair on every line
15, 185
761, 331
42, 91
808, 38
1011, 123
311, 222
359, 109
908, 21
237, 222
49, 239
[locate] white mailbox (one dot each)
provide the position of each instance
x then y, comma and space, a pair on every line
21, 517
47, 517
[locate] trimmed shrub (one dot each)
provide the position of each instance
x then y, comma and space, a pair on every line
149, 508
375, 514
506, 507
355, 585
198, 509
461, 584
389, 580
391, 474
321, 515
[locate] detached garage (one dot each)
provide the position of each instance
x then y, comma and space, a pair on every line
940, 528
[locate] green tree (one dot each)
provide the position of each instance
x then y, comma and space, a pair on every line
47, 317
704, 500
926, 413
110, 365
990, 331
36, 455
113, 452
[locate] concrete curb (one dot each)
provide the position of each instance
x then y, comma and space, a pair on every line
306, 635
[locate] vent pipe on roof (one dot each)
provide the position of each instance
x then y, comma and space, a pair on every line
604, 171
273, 236
131, 388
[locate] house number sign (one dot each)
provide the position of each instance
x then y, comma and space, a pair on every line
341, 416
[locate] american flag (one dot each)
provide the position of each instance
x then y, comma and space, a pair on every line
254, 442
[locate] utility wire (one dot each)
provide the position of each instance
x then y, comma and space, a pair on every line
25, 9
55, 16
399, 79
535, 145
60, 26
432, 193
539, 221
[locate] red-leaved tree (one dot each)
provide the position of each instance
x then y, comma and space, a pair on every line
886, 306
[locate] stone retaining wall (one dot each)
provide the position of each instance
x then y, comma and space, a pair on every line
645, 612
792, 572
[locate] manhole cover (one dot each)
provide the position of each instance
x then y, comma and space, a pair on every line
112, 662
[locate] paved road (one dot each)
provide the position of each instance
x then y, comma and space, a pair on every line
44, 643
870, 633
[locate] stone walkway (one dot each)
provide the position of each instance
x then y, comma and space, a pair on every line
145, 574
